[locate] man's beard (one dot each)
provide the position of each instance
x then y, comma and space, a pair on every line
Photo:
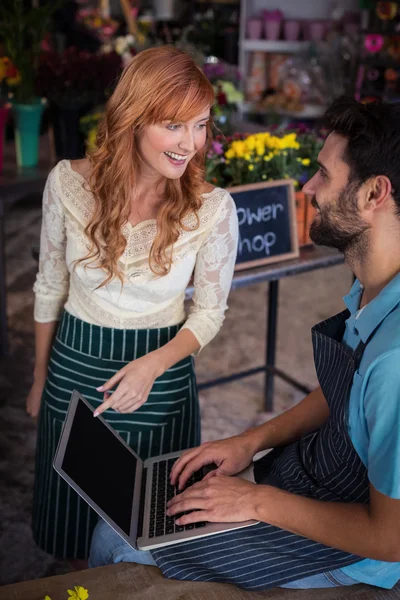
340, 226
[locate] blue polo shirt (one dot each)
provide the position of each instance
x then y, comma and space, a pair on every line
374, 406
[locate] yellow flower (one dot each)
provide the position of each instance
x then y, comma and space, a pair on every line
91, 139
251, 142
78, 593
247, 156
14, 80
47, 598
260, 148
306, 162
251, 167
230, 153
269, 156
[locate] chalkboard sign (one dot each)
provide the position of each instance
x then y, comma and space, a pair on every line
267, 223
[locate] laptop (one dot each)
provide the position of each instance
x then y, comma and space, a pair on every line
128, 493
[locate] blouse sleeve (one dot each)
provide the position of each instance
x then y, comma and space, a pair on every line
52, 281
213, 275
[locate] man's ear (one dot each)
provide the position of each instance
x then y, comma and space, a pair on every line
379, 190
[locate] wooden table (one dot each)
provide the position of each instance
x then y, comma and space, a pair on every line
126, 581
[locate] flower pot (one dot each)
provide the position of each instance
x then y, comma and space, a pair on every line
27, 130
69, 141
305, 214
272, 29
4, 111
291, 30
317, 30
254, 29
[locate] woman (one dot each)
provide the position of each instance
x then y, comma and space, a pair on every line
123, 231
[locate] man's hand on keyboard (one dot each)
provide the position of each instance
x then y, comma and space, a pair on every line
217, 500
230, 456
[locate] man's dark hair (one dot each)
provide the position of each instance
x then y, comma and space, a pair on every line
373, 135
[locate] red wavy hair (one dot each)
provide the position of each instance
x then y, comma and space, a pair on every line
161, 83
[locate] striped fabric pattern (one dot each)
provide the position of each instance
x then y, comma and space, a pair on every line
83, 357
323, 465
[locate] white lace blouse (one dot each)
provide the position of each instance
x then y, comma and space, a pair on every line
145, 300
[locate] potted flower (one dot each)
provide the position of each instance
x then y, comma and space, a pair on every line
73, 82
266, 156
22, 30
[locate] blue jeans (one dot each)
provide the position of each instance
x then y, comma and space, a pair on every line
108, 548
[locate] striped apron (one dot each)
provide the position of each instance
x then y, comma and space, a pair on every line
322, 465
83, 357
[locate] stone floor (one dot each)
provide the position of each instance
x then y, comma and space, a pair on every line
226, 410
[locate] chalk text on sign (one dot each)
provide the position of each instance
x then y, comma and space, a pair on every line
263, 214
260, 243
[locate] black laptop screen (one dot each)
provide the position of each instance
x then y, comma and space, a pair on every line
97, 461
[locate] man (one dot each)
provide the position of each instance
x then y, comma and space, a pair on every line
328, 495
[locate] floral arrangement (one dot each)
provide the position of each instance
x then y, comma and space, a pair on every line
125, 46
9, 79
76, 78
78, 593
225, 79
262, 156
22, 30
103, 27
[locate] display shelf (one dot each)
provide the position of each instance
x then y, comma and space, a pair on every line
278, 46
310, 111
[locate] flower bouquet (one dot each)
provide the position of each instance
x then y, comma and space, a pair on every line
74, 82
104, 27
9, 79
125, 46
264, 156
225, 79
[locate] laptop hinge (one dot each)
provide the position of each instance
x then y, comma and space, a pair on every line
141, 505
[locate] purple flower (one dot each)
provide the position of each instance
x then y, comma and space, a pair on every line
218, 148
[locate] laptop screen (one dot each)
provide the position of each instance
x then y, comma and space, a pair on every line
101, 465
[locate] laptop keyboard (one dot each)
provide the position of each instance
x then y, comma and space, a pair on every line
162, 491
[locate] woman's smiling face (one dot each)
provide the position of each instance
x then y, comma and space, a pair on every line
166, 148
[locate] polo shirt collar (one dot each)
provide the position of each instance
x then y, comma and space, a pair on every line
375, 311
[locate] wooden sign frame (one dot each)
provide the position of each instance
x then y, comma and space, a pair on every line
294, 241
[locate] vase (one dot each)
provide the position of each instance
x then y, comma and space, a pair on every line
272, 30
316, 30
305, 214
291, 30
4, 111
69, 141
27, 131
254, 29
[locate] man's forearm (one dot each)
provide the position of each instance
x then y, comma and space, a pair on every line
345, 526
291, 425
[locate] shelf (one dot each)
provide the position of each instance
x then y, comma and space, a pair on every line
279, 46
310, 111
